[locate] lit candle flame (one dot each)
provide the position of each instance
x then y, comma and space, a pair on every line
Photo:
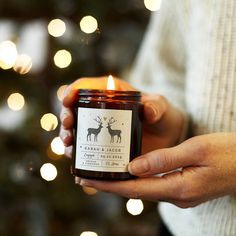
110, 83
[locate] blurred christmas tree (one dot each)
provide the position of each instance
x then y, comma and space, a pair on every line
36, 60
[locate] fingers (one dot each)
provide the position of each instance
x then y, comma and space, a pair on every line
67, 118
164, 160
131, 188
69, 96
67, 121
153, 188
68, 151
154, 108
66, 136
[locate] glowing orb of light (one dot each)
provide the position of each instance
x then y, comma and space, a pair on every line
16, 101
153, 5
135, 206
8, 54
48, 171
62, 58
56, 27
57, 146
88, 233
49, 121
23, 64
88, 24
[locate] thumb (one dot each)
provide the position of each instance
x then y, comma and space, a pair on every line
69, 96
71, 91
164, 160
154, 108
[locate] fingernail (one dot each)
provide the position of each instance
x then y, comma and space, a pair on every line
151, 112
63, 116
77, 180
64, 119
68, 151
66, 91
85, 183
139, 166
152, 108
64, 136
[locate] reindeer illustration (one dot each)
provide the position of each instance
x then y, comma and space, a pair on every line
113, 132
94, 131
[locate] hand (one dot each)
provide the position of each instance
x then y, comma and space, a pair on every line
208, 171
162, 125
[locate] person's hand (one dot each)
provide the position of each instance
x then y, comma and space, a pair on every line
200, 169
162, 122
162, 125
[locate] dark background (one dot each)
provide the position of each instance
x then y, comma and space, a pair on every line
29, 205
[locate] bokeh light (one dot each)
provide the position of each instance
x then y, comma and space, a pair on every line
18, 172
56, 27
153, 5
88, 24
48, 171
49, 121
88, 233
134, 206
62, 58
57, 146
60, 92
23, 64
8, 54
16, 101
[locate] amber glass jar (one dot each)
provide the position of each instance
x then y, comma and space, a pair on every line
107, 134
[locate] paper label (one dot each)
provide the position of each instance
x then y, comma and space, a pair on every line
103, 139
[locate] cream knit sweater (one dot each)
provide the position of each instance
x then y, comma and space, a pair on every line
189, 55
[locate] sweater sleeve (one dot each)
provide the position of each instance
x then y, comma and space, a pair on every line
160, 64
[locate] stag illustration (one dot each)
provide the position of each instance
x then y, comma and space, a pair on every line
94, 131
113, 132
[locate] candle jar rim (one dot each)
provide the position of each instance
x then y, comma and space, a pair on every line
104, 92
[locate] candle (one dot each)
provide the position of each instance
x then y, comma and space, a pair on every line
110, 83
107, 133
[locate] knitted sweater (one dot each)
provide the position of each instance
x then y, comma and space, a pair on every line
189, 56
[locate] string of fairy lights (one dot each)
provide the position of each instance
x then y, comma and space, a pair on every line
22, 64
